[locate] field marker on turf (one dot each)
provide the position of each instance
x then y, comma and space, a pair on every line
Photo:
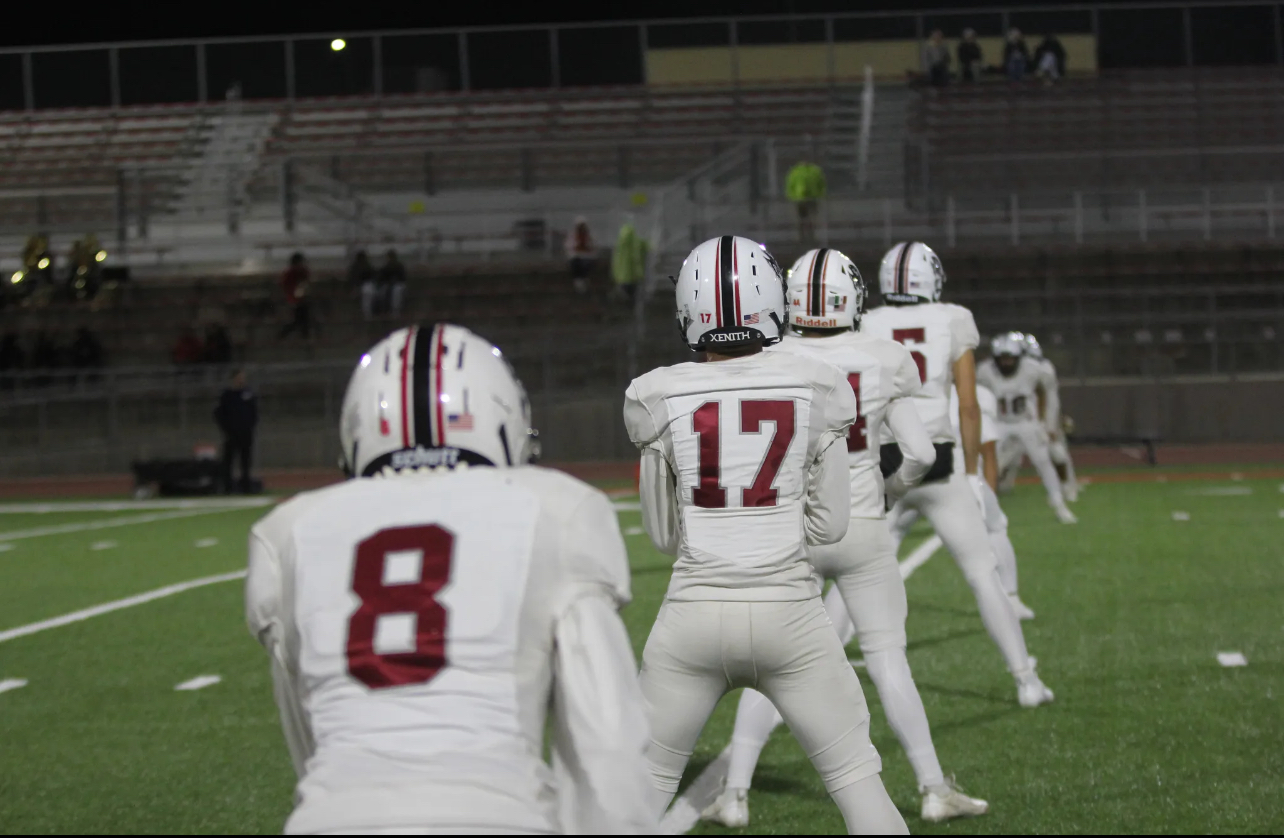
1232, 659
1282, 513
684, 814
5, 547
102, 545
1181, 516
12, 684
82, 526
1222, 491
206, 542
127, 602
200, 682
132, 505
627, 506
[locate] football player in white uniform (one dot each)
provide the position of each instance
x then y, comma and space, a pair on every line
1014, 380
423, 617
1050, 413
825, 297
744, 465
941, 338
996, 523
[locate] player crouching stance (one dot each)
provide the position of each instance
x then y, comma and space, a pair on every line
941, 338
826, 296
1015, 380
744, 464
421, 616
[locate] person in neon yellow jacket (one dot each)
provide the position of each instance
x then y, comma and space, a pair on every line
805, 186
628, 261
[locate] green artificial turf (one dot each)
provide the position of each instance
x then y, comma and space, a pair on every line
1148, 734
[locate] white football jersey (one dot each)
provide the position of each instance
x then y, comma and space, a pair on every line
742, 439
1051, 392
989, 431
1017, 397
879, 371
412, 622
936, 335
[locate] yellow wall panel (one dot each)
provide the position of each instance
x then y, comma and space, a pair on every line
783, 62
690, 65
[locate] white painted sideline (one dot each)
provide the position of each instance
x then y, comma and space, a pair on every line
127, 602
133, 505
684, 814
83, 526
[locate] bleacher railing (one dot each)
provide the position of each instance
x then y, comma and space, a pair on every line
549, 56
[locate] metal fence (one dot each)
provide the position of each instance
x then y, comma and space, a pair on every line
589, 54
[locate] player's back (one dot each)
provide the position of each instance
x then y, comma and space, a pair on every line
878, 371
741, 436
937, 335
1015, 393
417, 618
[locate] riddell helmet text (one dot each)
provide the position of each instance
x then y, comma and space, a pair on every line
815, 322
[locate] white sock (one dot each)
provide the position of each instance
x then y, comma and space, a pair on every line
890, 672
867, 810
756, 718
1001, 622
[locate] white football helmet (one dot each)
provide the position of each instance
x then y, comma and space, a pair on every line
1032, 347
911, 272
730, 292
1008, 343
430, 396
825, 291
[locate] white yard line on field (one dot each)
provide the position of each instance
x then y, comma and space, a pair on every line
12, 684
127, 602
200, 682
132, 505
207, 542
1232, 659
83, 526
684, 814
102, 545
627, 506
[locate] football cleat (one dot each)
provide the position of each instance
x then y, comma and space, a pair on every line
946, 802
1031, 692
1022, 610
1070, 490
731, 809
1064, 515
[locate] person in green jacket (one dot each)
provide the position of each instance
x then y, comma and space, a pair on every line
628, 261
805, 186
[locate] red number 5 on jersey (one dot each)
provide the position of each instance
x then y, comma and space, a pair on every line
435, 548
910, 337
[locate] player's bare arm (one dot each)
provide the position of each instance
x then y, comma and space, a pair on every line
969, 409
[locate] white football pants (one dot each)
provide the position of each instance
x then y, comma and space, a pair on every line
1031, 440
699, 651
869, 588
1060, 453
952, 510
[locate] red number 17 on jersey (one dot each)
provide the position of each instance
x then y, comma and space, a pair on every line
710, 493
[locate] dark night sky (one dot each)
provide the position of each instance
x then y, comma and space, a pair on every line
128, 21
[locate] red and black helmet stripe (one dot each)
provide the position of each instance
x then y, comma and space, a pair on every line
727, 297
816, 286
902, 268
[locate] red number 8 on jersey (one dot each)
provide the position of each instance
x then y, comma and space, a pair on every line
435, 547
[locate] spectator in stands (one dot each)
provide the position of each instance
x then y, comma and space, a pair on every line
86, 349
392, 276
218, 347
187, 349
805, 187
580, 252
294, 282
936, 59
628, 261
1016, 55
1050, 59
971, 63
361, 277
237, 416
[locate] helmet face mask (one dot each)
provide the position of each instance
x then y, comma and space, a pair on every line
825, 291
432, 397
911, 273
1007, 350
729, 295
